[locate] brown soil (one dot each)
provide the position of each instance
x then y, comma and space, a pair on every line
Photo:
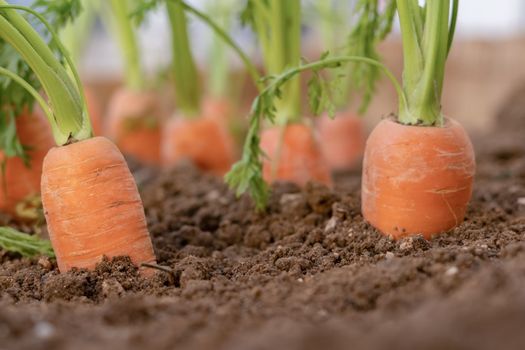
308, 274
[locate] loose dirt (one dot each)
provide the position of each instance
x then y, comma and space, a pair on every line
308, 274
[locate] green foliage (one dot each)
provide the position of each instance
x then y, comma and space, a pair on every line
24, 244
372, 26
324, 93
58, 12
13, 97
246, 174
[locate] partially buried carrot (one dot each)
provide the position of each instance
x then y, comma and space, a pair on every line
90, 200
92, 205
20, 182
293, 155
419, 166
417, 179
134, 122
204, 141
342, 140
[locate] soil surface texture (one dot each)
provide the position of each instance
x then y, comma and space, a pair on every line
308, 274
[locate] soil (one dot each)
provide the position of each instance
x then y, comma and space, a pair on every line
308, 274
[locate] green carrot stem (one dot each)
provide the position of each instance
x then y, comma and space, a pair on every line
183, 65
250, 67
70, 115
41, 102
426, 42
127, 40
24, 244
218, 60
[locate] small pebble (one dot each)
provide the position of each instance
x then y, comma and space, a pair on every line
44, 262
389, 255
331, 224
521, 201
43, 330
451, 271
300, 280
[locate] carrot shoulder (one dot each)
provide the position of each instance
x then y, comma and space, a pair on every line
92, 205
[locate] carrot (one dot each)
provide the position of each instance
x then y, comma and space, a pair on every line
90, 200
342, 140
135, 114
197, 131
417, 179
109, 220
204, 141
293, 155
20, 181
134, 122
419, 167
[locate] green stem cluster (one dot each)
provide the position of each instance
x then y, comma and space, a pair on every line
427, 37
127, 39
184, 69
221, 33
65, 110
278, 27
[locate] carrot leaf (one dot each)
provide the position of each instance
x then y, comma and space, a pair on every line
246, 174
24, 244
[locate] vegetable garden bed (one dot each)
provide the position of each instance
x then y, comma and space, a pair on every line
310, 273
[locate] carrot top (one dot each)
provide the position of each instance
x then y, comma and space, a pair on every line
65, 109
427, 34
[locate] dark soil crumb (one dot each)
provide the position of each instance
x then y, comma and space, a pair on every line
307, 274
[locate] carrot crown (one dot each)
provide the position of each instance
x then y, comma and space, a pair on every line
65, 109
427, 34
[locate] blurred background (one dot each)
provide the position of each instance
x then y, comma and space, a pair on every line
486, 63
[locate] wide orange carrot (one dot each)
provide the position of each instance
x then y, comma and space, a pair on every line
134, 123
204, 141
20, 182
293, 155
416, 179
92, 205
342, 140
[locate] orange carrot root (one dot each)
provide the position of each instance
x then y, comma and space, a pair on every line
203, 141
92, 205
417, 180
22, 182
342, 140
134, 124
299, 159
